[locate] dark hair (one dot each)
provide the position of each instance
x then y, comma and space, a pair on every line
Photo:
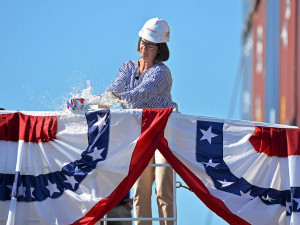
163, 52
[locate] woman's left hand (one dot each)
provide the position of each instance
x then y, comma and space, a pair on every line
118, 96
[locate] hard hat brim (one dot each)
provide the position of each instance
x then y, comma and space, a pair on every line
149, 38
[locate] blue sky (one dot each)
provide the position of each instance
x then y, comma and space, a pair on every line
49, 49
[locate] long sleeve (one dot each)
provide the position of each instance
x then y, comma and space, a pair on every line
151, 90
121, 81
152, 85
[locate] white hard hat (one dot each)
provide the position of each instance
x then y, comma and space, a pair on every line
156, 30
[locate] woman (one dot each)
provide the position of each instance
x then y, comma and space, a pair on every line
146, 83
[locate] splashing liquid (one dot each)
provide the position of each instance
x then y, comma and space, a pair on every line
107, 100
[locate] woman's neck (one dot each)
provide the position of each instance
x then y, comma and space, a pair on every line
143, 65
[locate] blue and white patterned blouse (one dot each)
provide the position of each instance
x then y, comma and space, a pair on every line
151, 89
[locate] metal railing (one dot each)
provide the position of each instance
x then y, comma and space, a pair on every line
174, 218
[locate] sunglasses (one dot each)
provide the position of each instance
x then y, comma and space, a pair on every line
147, 45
